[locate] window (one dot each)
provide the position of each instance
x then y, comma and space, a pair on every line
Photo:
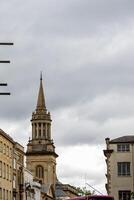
4, 149
14, 181
4, 170
125, 195
39, 171
1, 147
7, 172
3, 194
6, 194
7, 150
123, 147
123, 168
0, 168
14, 163
10, 152
10, 173
20, 159
10, 197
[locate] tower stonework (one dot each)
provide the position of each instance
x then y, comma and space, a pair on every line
40, 155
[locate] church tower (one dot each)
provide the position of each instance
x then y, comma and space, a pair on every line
40, 155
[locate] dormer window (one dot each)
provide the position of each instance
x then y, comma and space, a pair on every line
123, 147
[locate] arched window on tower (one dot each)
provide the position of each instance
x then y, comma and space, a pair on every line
39, 171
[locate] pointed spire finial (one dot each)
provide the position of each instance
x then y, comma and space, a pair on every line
41, 75
41, 98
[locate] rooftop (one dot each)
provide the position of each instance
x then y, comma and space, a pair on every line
6, 136
123, 139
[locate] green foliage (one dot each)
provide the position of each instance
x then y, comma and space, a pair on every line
83, 191
132, 195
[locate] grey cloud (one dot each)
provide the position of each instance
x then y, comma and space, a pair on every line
65, 18
85, 50
91, 177
61, 40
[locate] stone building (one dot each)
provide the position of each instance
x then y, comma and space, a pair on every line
40, 154
6, 165
18, 171
120, 167
32, 188
38, 180
11, 168
65, 191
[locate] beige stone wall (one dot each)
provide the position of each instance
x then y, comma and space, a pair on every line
48, 163
11, 167
121, 182
6, 157
18, 170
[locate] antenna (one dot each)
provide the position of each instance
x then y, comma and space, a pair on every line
94, 189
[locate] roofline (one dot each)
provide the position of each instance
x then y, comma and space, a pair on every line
9, 138
5, 135
119, 142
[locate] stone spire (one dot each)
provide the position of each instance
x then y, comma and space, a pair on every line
41, 155
41, 118
41, 98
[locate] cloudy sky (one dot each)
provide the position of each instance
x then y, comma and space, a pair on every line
85, 49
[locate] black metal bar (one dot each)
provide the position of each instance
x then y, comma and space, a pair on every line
3, 84
6, 43
5, 93
4, 61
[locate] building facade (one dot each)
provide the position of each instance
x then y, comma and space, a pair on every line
6, 166
40, 154
32, 188
65, 191
119, 155
18, 171
38, 180
11, 168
